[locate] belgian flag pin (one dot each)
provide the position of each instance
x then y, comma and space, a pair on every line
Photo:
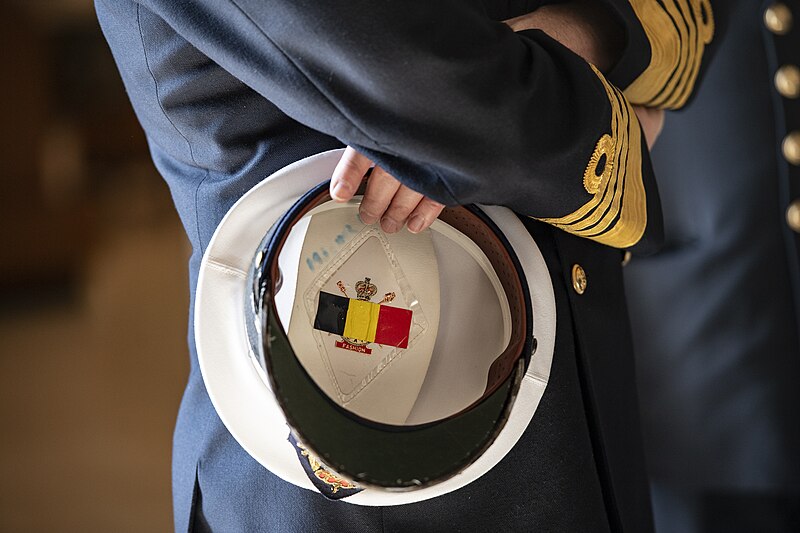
359, 321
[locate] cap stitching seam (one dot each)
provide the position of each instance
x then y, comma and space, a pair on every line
226, 269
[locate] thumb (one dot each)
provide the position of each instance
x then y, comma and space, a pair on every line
348, 174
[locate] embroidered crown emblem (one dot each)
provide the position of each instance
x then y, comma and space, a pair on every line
365, 290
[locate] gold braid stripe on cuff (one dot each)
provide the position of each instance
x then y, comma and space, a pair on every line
678, 31
617, 213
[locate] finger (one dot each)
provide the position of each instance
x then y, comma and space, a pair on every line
651, 121
404, 202
381, 188
424, 214
658, 118
348, 174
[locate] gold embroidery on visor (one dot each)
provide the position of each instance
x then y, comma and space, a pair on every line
678, 31
330, 479
616, 215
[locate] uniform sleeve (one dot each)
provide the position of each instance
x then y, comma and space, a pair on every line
457, 106
664, 55
508, 9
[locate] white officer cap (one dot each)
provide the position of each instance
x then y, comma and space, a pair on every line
382, 369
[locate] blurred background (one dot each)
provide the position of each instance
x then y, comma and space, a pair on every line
93, 288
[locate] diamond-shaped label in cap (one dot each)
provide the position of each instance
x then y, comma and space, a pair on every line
372, 335
360, 324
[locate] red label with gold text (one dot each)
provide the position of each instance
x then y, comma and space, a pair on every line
353, 347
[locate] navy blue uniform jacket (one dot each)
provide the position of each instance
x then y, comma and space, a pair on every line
461, 108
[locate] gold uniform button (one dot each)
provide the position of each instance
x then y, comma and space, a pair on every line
787, 81
778, 18
579, 281
791, 147
793, 216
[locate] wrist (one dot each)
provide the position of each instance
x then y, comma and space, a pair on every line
586, 28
